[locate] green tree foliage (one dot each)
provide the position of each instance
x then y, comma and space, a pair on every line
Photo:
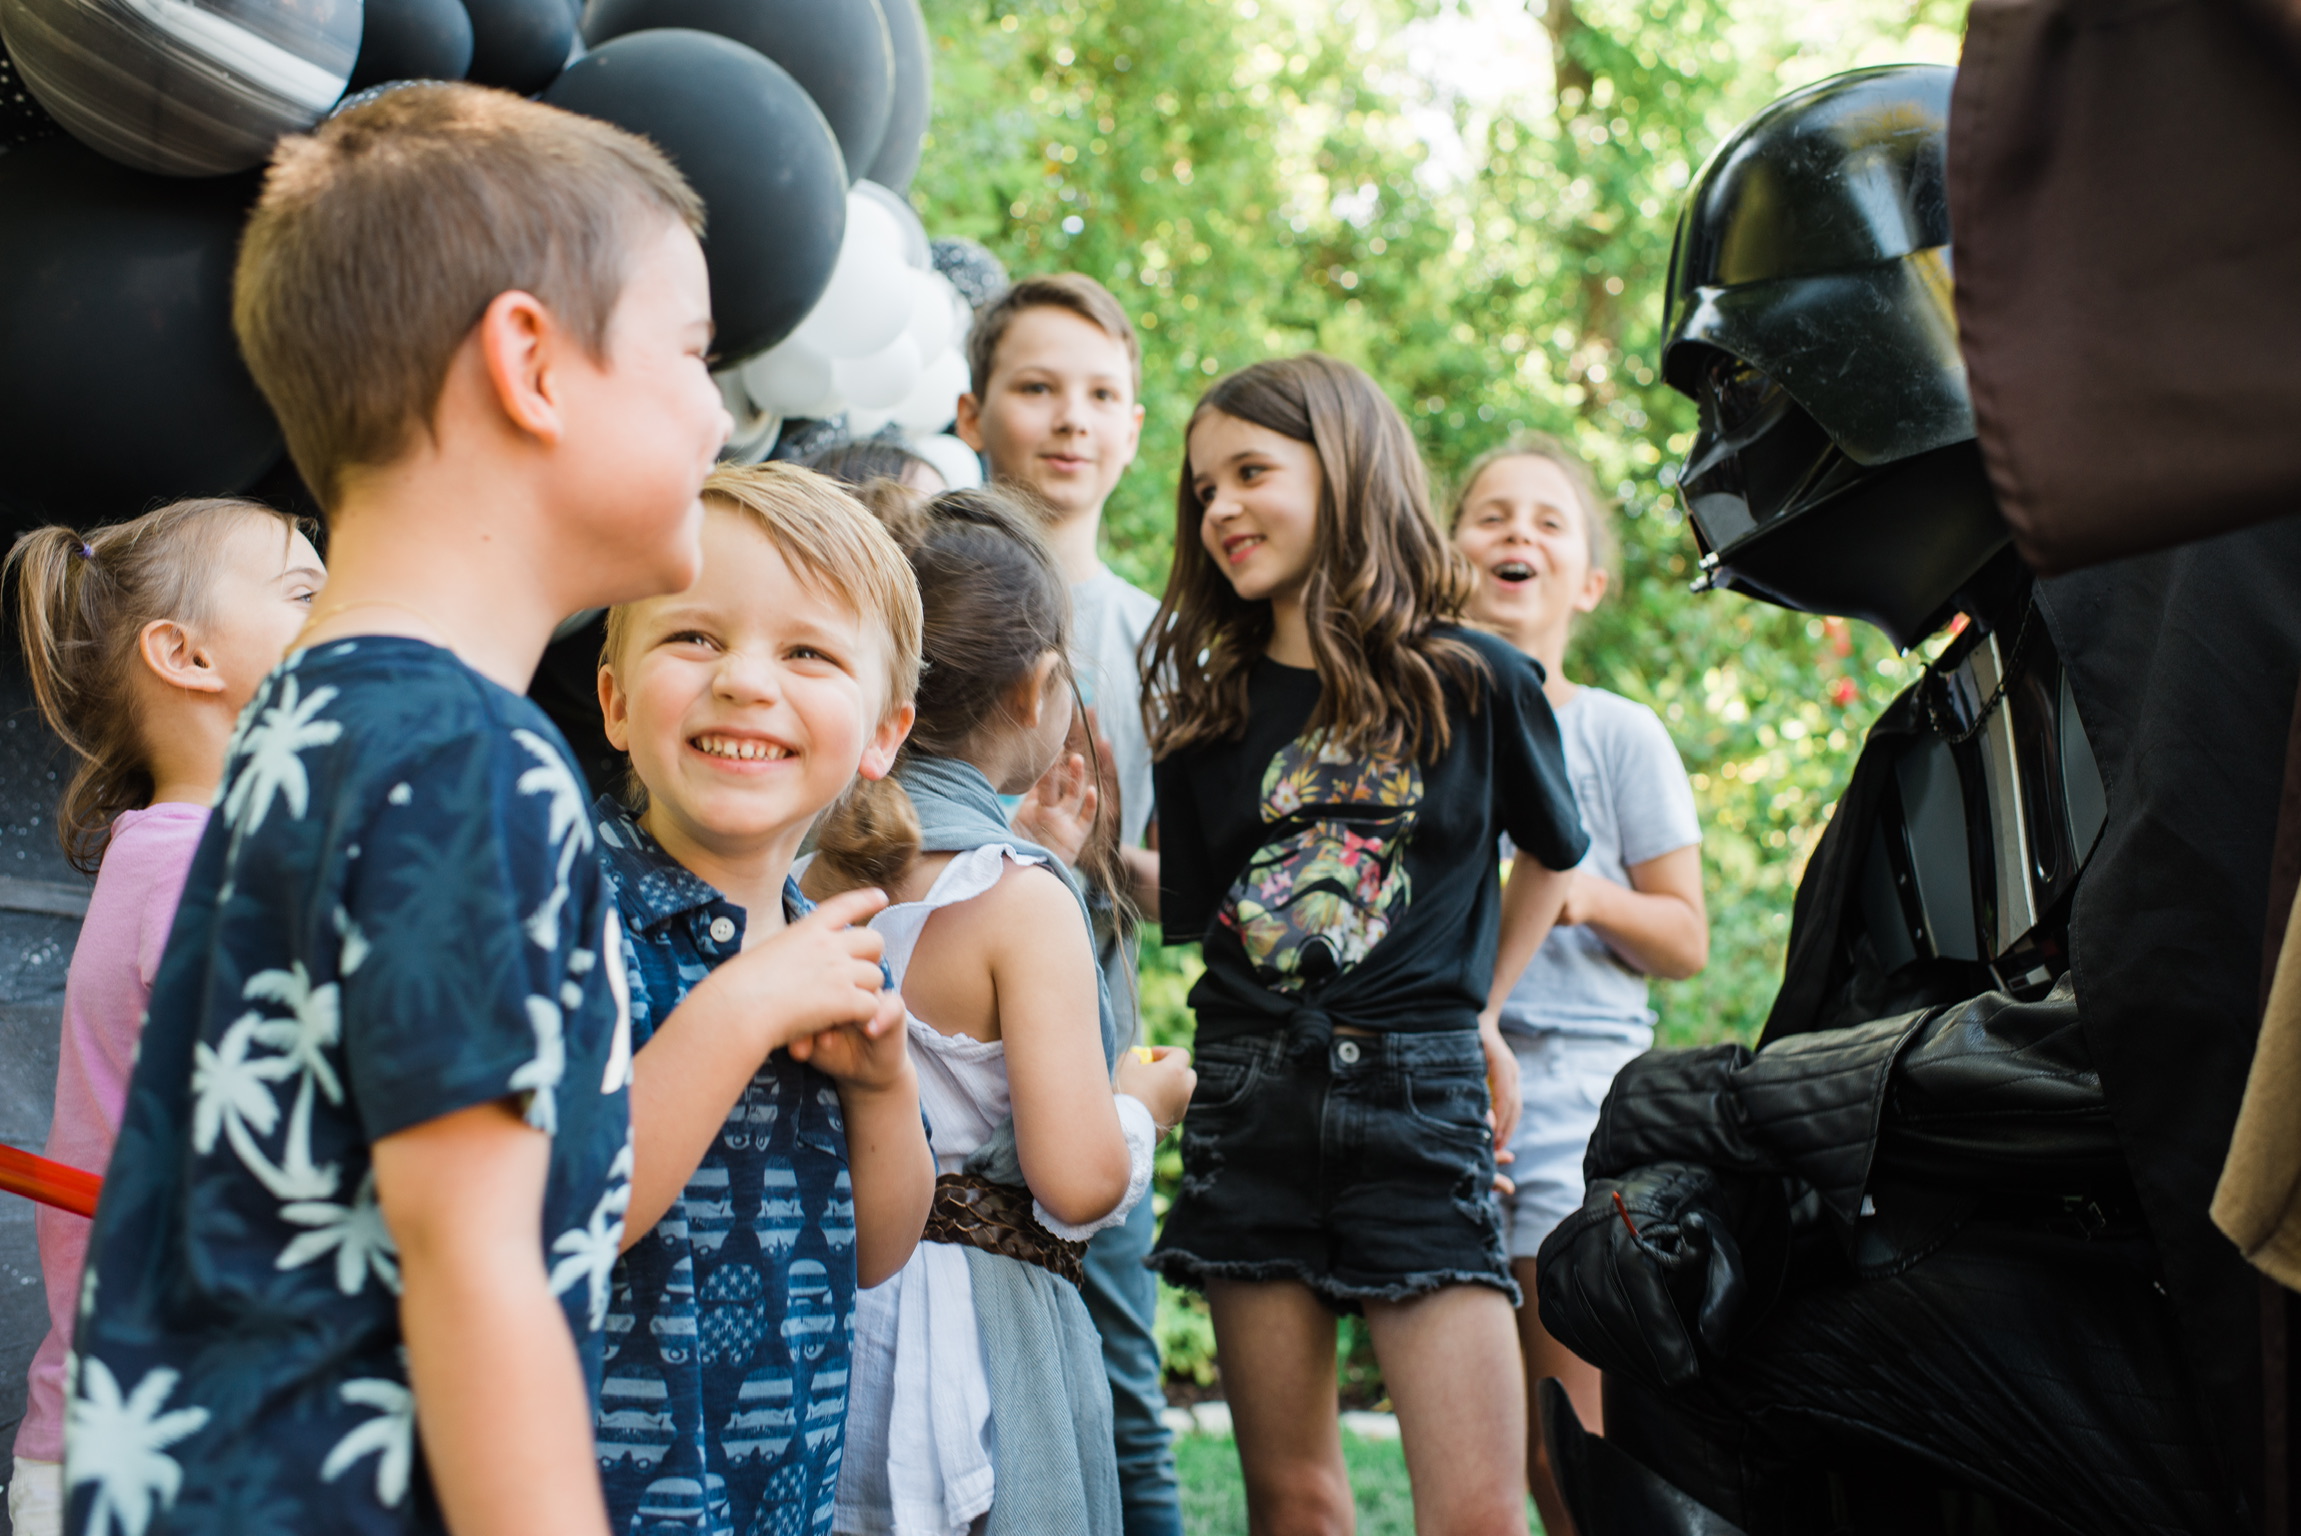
1255, 177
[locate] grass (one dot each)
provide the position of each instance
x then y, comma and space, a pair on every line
1214, 1499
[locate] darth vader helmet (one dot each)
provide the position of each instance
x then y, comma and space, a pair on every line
1810, 319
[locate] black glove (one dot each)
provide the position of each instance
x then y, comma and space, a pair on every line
1662, 1267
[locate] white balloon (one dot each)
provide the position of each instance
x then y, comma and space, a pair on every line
862, 423
881, 381
756, 428
792, 379
934, 400
867, 304
917, 251
933, 319
960, 466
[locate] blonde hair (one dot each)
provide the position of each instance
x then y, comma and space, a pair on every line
82, 601
1598, 532
383, 235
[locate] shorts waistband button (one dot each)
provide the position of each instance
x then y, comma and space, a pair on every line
1346, 1052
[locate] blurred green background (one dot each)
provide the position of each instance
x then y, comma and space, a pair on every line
1473, 200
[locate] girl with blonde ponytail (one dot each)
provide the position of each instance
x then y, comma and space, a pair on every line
143, 640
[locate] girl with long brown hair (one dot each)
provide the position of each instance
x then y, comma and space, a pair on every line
1337, 758
144, 640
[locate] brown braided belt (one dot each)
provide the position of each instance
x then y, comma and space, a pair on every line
997, 1218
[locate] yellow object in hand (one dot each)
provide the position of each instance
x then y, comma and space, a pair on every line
1143, 1053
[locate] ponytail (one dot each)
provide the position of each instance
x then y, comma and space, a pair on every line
82, 602
867, 838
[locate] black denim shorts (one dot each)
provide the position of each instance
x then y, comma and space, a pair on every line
1365, 1171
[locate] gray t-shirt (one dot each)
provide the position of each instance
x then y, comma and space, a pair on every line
1111, 617
1631, 789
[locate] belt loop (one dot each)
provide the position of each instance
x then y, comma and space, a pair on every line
1308, 1033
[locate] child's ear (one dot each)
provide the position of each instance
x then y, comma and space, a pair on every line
614, 710
520, 345
174, 656
886, 741
970, 421
1027, 705
1593, 588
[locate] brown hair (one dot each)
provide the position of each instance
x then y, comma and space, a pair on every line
1072, 291
383, 235
994, 602
832, 544
1597, 512
82, 601
1382, 579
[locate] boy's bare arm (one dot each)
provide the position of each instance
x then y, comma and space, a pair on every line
1658, 922
819, 972
892, 1169
499, 1390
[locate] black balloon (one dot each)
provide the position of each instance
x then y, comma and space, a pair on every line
838, 50
520, 45
898, 158
752, 145
120, 384
414, 40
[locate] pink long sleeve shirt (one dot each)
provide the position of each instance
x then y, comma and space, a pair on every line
105, 992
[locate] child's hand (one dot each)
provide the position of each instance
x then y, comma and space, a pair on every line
1164, 1083
1058, 812
871, 1056
818, 973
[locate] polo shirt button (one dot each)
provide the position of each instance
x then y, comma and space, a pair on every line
1347, 1053
722, 929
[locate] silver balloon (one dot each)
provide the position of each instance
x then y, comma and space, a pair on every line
184, 87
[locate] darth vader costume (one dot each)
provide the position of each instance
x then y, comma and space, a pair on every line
1935, 1257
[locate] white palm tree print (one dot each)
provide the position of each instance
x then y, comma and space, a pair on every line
390, 1435
539, 1079
272, 743
568, 828
121, 1445
355, 1233
232, 1096
304, 1040
588, 1252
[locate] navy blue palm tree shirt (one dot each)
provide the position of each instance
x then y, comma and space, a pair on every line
395, 914
729, 1326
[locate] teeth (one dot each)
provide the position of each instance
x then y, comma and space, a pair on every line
1512, 570
740, 749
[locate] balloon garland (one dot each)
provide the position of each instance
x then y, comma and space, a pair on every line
125, 125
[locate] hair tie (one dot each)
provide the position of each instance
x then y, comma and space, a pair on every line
87, 550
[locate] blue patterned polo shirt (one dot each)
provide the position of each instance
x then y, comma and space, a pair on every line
724, 1404
395, 914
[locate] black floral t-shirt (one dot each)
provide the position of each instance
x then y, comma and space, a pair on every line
1362, 890
397, 912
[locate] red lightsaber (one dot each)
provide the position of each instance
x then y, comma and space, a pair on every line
36, 1178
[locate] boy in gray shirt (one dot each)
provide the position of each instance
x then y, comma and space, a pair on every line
1055, 370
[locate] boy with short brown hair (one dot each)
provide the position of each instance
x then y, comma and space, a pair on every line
377, 1151
1056, 372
